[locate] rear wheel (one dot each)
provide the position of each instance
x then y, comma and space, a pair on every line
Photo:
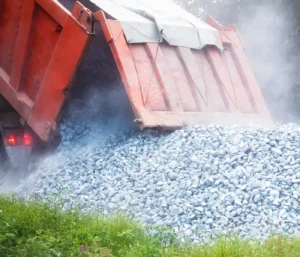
2, 169
56, 141
4, 165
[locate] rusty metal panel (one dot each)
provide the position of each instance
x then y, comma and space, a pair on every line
170, 87
41, 45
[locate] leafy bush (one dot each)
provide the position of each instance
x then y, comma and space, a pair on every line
36, 229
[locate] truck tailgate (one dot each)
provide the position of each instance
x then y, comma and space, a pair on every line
173, 86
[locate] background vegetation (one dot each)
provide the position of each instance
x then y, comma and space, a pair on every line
32, 228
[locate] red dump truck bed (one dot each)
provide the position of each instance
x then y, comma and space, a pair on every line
168, 85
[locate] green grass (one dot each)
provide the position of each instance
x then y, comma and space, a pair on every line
36, 229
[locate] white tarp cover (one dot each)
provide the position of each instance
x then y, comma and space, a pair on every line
154, 20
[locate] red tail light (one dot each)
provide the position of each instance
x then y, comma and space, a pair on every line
11, 140
27, 139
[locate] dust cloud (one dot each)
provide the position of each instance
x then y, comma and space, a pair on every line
264, 33
264, 29
8, 181
86, 123
96, 107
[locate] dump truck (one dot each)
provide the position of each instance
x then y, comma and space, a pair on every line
177, 70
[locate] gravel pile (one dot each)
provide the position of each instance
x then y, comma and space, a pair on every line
201, 181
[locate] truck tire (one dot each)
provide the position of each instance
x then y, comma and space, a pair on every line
56, 141
2, 161
4, 165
